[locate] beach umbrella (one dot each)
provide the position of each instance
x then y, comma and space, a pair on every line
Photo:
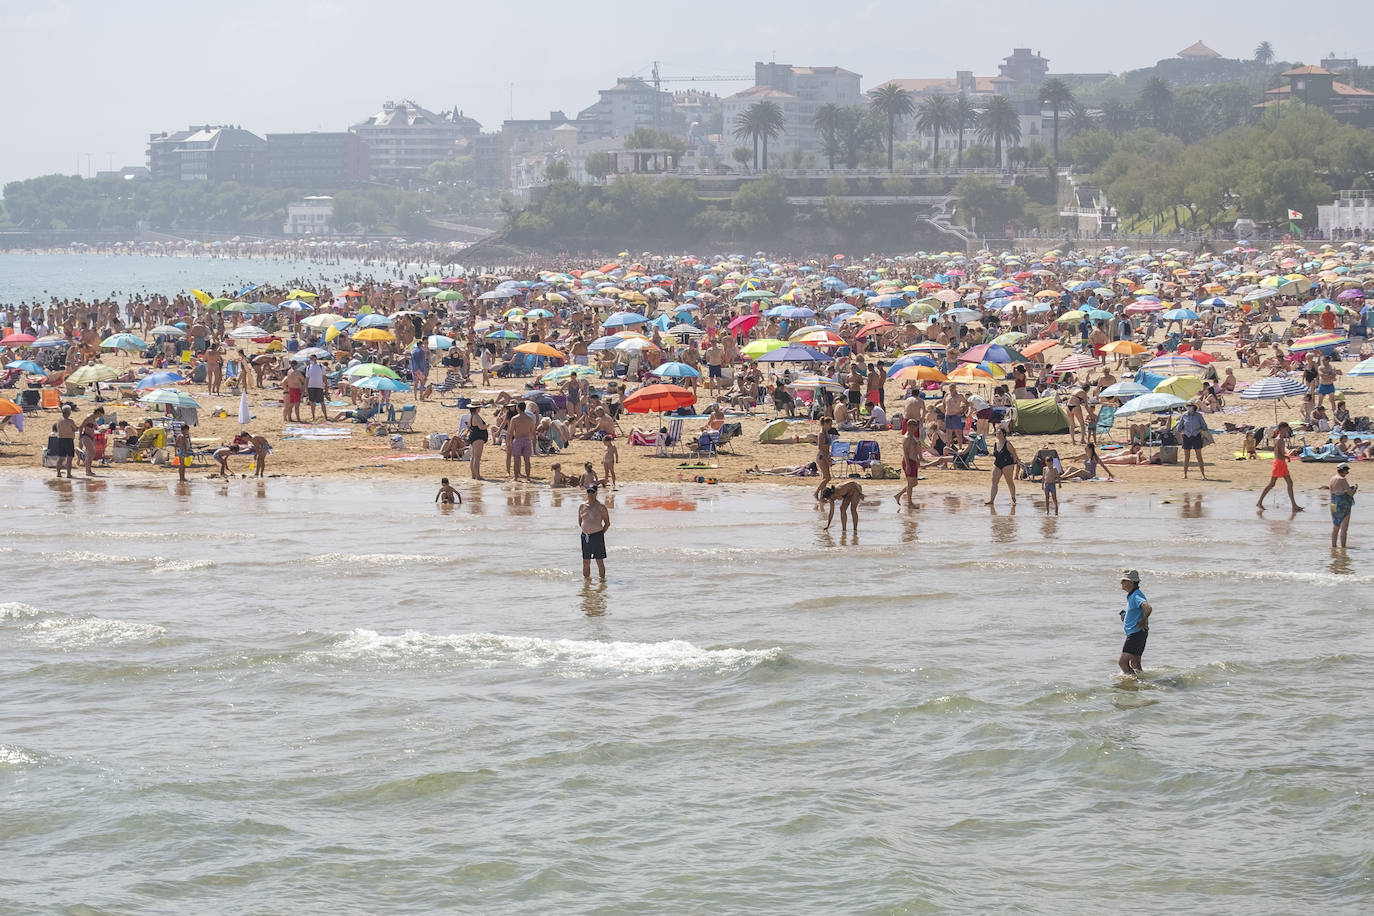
756, 348
636, 343
793, 353
624, 319
504, 335
368, 370
380, 383
1184, 386
773, 430
322, 320
1171, 364
27, 365
374, 321
685, 330
167, 330
659, 399
219, 304
94, 373
918, 373
1124, 389
1346, 295
301, 294
10, 409
439, 342
1264, 292
962, 316
913, 359
967, 374
1274, 387
816, 382
374, 335
1077, 361
47, 341
302, 355
158, 379
1318, 342
742, 323
1180, 315
1123, 348
1362, 368
17, 339
675, 370
1154, 402
536, 348
248, 331
991, 353
123, 342
1031, 351
168, 398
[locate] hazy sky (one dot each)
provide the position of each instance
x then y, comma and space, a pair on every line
85, 77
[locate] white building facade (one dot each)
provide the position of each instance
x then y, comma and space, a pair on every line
1352, 210
309, 217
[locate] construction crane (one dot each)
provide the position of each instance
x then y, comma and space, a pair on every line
658, 81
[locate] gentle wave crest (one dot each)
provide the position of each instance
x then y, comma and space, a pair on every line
17, 610
15, 756
572, 656
372, 559
78, 632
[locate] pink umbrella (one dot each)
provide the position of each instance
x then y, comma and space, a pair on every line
743, 323
1077, 361
15, 340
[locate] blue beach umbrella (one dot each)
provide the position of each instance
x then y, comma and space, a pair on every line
1154, 402
624, 320
158, 379
675, 370
1179, 315
27, 365
123, 342
380, 383
793, 353
1274, 387
1126, 389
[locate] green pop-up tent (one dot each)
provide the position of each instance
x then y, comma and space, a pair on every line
1040, 416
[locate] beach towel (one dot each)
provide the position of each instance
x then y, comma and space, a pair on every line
316, 433
410, 457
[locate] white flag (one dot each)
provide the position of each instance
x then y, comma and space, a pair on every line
1294, 214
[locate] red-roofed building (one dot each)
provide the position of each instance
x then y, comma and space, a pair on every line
1319, 87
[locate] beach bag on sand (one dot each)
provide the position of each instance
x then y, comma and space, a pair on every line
160, 458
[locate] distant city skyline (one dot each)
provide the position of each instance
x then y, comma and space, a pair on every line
92, 80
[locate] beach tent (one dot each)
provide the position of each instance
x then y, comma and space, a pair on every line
1040, 416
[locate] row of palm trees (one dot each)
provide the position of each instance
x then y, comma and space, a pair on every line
995, 121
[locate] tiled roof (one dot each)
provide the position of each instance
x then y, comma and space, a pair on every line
1198, 49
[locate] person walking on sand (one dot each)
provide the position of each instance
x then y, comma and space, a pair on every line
1342, 504
1135, 619
1279, 471
608, 462
911, 461
1004, 464
1191, 426
520, 432
315, 387
595, 520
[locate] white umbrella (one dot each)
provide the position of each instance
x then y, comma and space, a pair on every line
247, 331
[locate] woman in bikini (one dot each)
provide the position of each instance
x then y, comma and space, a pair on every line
1004, 463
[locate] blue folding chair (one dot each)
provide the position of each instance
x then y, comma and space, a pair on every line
865, 452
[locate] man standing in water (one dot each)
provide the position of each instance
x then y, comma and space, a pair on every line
594, 519
1342, 503
1136, 621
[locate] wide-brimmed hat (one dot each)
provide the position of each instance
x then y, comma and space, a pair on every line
1130, 575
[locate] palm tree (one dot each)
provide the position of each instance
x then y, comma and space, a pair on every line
829, 120
1155, 98
746, 127
769, 122
936, 114
965, 116
1080, 118
1057, 95
1117, 117
891, 101
1264, 53
998, 122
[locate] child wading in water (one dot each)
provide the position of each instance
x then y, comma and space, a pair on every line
447, 495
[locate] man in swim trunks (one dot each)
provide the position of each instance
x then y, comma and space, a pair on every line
714, 373
595, 520
293, 392
1282, 433
66, 442
911, 461
1326, 382
1342, 504
1135, 619
955, 406
521, 431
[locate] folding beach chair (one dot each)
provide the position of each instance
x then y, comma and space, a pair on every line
1106, 415
839, 451
865, 452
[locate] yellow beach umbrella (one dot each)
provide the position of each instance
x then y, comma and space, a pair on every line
1181, 386
374, 335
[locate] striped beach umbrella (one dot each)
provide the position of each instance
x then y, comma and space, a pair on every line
1319, 342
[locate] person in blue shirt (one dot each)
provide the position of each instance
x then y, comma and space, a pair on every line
1135, 619
419, 369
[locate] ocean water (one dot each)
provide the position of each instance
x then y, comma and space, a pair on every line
298, 696
26, 277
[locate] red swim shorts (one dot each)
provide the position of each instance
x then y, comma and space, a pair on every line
293, 395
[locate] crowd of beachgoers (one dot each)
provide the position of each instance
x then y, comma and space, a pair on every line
738, 366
